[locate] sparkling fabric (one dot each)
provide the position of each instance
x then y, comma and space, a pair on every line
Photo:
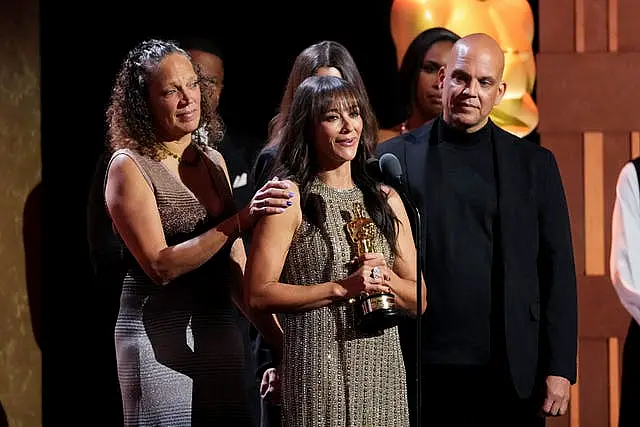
180, 352
333, 374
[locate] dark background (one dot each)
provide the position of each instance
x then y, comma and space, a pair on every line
81, 49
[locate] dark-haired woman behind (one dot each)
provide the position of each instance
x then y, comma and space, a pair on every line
418, 83
301, 266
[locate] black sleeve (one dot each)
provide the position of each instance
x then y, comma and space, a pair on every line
557, 276
262, 354
262, 168
260, 174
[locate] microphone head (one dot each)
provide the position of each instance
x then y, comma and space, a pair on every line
390, 167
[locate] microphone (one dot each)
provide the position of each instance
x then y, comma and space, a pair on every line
390, 169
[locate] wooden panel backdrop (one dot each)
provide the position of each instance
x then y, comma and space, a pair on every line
587, 67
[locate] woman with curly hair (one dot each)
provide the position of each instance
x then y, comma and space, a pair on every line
302, 265
179, 349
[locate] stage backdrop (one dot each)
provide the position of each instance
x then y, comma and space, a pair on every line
20, 360
589, 56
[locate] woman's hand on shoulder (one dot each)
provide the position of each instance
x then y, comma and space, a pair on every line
273, 198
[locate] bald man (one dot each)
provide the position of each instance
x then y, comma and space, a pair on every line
500, 331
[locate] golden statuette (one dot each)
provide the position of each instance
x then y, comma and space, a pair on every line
375, 311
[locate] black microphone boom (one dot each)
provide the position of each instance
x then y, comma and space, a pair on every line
391, 170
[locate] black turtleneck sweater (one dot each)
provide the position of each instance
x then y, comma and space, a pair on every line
462, 218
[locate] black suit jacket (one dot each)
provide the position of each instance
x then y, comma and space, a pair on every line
239, 151
260, 174
540, 301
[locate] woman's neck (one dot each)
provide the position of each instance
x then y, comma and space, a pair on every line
177, 149
182, 143
178, 146
339, 177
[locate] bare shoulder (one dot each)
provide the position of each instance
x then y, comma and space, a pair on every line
389, 192
126, 175
291, 216
122, 163
293, 187
394, 201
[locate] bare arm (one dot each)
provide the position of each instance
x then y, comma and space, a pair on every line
133, 210
270, 244
266, 323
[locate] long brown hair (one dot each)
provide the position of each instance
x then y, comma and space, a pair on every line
324, 54
296, 156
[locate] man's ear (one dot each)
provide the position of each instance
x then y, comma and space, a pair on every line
502, 89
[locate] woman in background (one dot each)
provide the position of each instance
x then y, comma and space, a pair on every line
419, 87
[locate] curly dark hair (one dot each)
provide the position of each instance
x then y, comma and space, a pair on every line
327, 54
129, 120
296, 157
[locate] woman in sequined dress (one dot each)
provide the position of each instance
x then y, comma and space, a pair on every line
301, 266
179, 348
326, 57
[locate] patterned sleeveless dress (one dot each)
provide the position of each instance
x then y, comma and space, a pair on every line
333, 374
179, 347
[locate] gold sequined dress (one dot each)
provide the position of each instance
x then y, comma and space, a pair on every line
333, 374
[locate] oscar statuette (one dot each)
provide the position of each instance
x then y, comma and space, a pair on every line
374, 311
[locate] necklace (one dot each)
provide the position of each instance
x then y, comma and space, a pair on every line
170, 153
403, 127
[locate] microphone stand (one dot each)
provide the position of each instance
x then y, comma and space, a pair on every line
417, 238
391, 172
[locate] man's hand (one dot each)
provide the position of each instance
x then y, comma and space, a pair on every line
556, 399
270, 386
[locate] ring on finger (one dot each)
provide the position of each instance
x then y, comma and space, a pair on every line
376, 273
